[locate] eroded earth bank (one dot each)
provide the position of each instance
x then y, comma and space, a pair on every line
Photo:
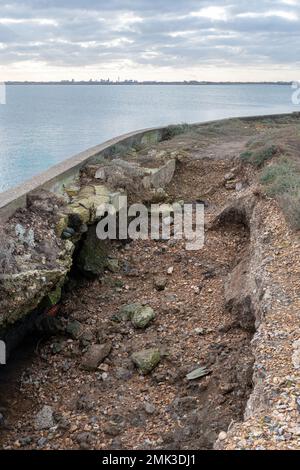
114, 330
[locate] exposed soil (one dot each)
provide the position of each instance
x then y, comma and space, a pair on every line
192, 329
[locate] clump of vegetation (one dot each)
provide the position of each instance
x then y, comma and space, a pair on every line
290, 204
282, 181
255, 143
246, 156
173, 130
260, 156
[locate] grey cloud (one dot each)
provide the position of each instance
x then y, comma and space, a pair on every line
79, 33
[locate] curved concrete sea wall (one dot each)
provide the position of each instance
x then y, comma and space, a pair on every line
64, 173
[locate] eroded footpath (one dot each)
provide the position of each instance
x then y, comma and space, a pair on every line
231, 308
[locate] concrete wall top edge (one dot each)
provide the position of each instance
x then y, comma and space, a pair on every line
15, 198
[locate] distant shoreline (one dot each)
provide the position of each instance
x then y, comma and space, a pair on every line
135, 83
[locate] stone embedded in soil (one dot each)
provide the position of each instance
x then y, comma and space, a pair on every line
142, 317
160, 283
149, 408
113, 265
126, 312
85, 440
25, 441
95, 354
74, 329
230, 175
231, 185
197, 373
146, 360
296, 354
123, 374
44, 419
42, 441
113, 429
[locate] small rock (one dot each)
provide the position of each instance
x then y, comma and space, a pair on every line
85, 403
226, 388
225, 328
146, 360
123, 374
209, 274
57, 348
229, 176
95, 355
142, 317
296, 354
199, 331
63, 423
113, 265
25, 441
222, 436
44, 418
160, 283
231, 184
127, 311
74, 329
86, 337
85, 440
149, 408
41, 442
113, 429
170, 270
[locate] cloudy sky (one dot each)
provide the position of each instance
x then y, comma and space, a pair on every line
150, 39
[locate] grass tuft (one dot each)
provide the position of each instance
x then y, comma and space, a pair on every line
282, 181
173, 130
259, 157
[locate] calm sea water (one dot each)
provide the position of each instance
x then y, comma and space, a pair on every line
43, 125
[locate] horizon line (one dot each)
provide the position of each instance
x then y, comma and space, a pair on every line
144, 82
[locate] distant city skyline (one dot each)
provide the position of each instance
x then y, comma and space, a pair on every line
174, 40
137, 82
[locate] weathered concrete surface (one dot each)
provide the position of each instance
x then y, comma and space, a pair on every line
22, 292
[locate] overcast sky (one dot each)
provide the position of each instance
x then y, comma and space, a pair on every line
150, 39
